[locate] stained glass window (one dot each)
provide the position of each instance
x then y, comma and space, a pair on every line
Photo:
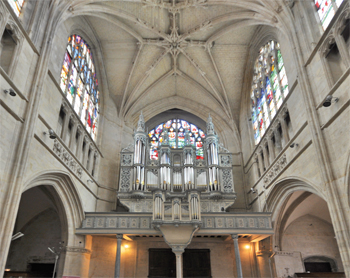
79, 83
269, 88
326, 10
16, 5
176, 131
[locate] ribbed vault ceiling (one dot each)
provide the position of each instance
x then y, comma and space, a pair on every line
189, 51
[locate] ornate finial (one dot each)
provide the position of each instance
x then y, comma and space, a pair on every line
210, 126
141, 123
187, 138
165, 137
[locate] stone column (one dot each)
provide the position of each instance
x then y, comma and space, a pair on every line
343, 49
256, 167
178, 253
261, 162
79, 148
86, 151
271, 148
72, 143
118, 255
238, 257
66, 120
284, 130
96, 164
266, 155
75, 261
91, 161
277, 140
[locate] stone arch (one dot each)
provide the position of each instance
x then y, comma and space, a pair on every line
228, 132
322, 258
277, 200
60, 187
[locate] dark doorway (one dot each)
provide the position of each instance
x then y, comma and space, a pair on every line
162, 263
34, 270
196, 263
318, 267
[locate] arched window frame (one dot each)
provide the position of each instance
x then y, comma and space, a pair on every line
326, 10
176, 131
17, 6
269, 87
79, 83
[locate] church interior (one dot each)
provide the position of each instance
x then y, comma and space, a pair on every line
175, 138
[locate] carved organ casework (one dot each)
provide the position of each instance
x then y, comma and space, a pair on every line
176, 185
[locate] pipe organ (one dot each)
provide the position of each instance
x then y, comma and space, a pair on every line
178, 187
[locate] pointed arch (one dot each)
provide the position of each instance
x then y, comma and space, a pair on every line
61, 188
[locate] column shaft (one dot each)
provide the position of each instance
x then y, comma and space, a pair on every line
271, 150
284, 131
118, 255
238, 257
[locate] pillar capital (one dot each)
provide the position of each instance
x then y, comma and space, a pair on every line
234, 236
119, 236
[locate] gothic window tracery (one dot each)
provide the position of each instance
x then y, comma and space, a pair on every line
175, 129
326, 10
79, 83
269, 88
16, 5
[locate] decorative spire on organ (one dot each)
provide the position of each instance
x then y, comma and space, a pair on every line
210, 126
141, 123
187, 138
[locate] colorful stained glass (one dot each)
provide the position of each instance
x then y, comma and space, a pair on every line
176, 132
269, 74
338, 2
17, 6
325, 11
79, 83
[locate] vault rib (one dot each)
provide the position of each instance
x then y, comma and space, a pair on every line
150, 87
217, 95
143, 79
135, 60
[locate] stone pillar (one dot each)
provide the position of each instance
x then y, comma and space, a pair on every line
266, 155
72, 143
66, 120
96, 164
178, 253
343, 49
79, 148
91, 161
238, 257
76, 261
86, 152
256, 167
261, 162
118, 255
271, 148
278, 141
284, 131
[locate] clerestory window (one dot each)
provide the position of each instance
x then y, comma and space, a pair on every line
176, 130
16, 5
79, 83
326, 10
269, 87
